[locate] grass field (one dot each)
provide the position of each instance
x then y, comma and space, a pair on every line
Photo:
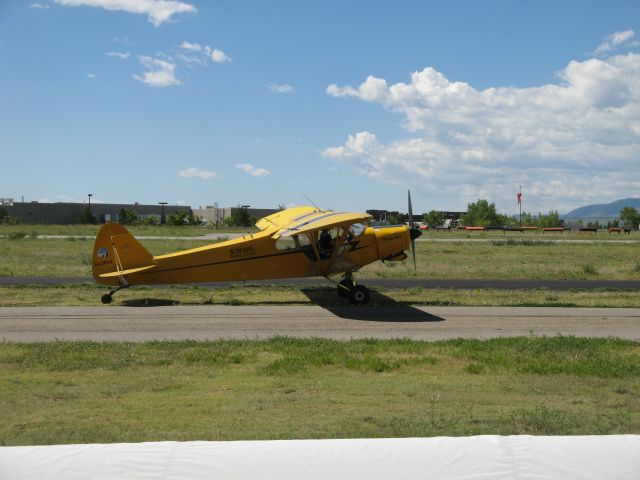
84, 392
194, 231
89, 295
498, 259
138, 230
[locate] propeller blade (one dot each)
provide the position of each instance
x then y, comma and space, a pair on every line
413, 251
411, 223
413, 231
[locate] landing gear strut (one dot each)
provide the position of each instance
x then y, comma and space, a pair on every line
108, 297
357, 294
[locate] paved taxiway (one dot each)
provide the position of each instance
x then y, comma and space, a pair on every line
239, 322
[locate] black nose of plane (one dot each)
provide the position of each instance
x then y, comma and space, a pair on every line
414, 233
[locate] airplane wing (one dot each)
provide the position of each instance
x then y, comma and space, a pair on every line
285, 217
317, 220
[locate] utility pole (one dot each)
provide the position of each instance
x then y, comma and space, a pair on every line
90, 195
162, 219
520, 204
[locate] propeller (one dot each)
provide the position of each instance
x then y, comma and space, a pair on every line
413, 232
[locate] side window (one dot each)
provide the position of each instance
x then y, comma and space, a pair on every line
295, 242
327, 241
285, 243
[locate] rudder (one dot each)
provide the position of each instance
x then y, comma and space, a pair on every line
115, 249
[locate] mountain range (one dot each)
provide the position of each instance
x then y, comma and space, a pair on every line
603, 210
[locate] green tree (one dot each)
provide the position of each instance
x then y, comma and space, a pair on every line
86, 217
395, 219
240, 217
433, 218
552, 219
195, 219
177, 218
150, 220
3, 214
482, 214
127, 217
630, 218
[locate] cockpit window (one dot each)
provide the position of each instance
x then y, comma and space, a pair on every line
356, 229
295, 242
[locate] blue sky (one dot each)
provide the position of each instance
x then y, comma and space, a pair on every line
241, 102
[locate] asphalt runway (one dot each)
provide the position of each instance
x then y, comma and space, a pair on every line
374, 282
110, 323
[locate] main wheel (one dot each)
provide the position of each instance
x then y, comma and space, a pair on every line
345, 287
359, 295
106, 298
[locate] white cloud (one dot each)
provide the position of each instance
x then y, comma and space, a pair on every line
614, 40
41, 6
251, 170
568, 143
206, 53
162, 73
122, 55
283, 88
219, 56
158, 11
91, 76
194, 172
194, 47
359, 144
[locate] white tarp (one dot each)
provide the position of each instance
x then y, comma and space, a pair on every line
483, 457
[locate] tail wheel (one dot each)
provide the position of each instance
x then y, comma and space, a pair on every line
345, 287
106, 298
359, 295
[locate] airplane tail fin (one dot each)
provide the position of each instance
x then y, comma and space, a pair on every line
116, 252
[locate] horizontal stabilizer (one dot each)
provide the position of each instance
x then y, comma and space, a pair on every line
131, 271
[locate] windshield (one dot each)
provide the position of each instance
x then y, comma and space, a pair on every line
356, 229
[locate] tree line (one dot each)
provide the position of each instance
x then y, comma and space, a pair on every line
484, 214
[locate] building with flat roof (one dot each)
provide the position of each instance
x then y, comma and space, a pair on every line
69, 213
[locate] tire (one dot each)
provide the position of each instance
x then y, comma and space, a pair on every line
106, 299
359, 295
345, 287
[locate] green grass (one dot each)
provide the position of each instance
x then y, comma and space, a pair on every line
137, 230
65, 257
283, 388
505, 259
602, 235
89, 295
445, 260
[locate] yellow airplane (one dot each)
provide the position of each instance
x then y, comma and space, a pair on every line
297, 242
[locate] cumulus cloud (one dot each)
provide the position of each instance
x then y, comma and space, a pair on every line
613, 41
157, 11
194, 47
122, 55
568, 143
161, 73
251, 170
205, 53
91, 76
219, 56
41, 6
194, 172
280, 88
